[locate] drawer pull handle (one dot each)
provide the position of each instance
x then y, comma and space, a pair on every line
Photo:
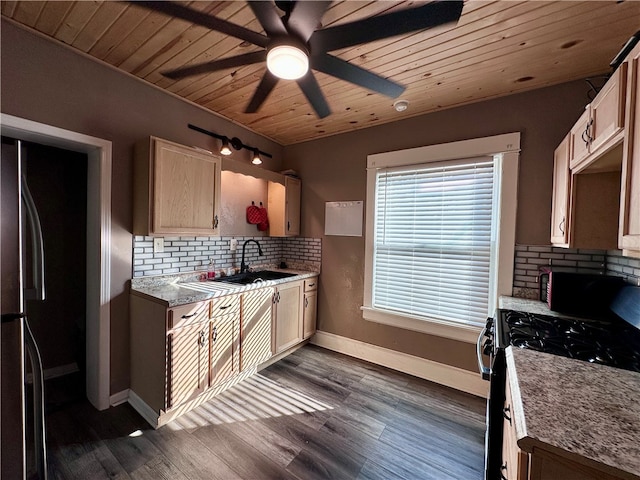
306, 301
561, 226
201, 338
312, 285
214, 334
503, 467
188, 316
505, 412
225, 307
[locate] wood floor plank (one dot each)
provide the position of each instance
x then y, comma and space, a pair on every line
314, 415
245, 460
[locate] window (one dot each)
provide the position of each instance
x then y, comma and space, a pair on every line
433, 236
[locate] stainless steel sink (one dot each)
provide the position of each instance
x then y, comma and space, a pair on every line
253, 277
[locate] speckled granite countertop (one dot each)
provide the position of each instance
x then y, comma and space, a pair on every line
585, 412
171, 292
528, 305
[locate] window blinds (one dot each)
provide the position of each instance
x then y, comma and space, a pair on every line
433, 236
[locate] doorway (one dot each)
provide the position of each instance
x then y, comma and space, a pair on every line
57, 180
98, 241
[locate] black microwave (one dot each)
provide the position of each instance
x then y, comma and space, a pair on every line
584, 294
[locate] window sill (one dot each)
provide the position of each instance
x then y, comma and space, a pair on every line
439, 328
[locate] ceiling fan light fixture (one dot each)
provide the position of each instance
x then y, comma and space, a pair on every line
225, 150
287, 62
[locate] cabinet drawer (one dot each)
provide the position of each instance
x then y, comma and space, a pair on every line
311, 284
187, 315
225, 306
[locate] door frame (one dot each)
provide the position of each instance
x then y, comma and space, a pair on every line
98, 291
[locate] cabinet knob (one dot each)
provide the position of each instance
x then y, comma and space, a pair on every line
214, 334
306, 302
215, 221
201, 338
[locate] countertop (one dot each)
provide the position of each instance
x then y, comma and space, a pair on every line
583, 411
175, 293
586, 412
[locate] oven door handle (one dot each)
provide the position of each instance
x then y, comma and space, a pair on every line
484, 370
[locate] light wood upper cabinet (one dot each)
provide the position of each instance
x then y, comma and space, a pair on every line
177, 189
629, 226
284, 207
601, 127
561, 195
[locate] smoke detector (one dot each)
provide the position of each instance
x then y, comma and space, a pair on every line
401, 105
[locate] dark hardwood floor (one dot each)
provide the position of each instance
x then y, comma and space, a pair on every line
313, 415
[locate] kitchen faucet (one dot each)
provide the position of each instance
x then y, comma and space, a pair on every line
243, 266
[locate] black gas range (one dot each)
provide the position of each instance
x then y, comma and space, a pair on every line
613, 340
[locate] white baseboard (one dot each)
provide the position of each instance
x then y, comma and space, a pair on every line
119, 398
143, 409
454, 377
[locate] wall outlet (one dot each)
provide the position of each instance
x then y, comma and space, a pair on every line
158, 245
233, 244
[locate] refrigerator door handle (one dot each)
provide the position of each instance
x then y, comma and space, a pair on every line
37, 246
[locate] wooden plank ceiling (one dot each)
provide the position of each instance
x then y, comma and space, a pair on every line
496, 49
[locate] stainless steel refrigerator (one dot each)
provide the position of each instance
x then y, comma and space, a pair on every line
22, 278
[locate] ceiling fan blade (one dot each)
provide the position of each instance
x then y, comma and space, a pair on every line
357, 75
305, 18
384, 26
265, 87
311, 90
266, 14
205, 20
207, 67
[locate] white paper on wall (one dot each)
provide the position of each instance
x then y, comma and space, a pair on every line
343, 218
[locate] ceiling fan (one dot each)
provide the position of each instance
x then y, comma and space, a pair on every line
294, 44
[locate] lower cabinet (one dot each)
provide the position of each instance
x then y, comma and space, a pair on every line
310, 307
539, 464
182, 356
287, 315
514, 461
187, 363
255, 330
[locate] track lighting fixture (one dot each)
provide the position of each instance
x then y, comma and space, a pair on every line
256, 157
225, 150
234, 143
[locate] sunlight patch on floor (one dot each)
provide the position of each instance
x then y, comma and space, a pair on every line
255, 398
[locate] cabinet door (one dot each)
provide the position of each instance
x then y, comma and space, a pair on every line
561, 195
288, 316
223, 349
293, 188
186, 190
629, 225
607, 111
310, 313
579, 139
188, 364
256, 326
514, 461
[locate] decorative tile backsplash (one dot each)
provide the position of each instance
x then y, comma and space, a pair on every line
626, 267
188, 254
530, 258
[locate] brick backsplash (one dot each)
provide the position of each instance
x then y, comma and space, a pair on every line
530, 258
188, 254
626, 267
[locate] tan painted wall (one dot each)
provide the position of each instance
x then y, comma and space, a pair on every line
334, 169
48, 83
